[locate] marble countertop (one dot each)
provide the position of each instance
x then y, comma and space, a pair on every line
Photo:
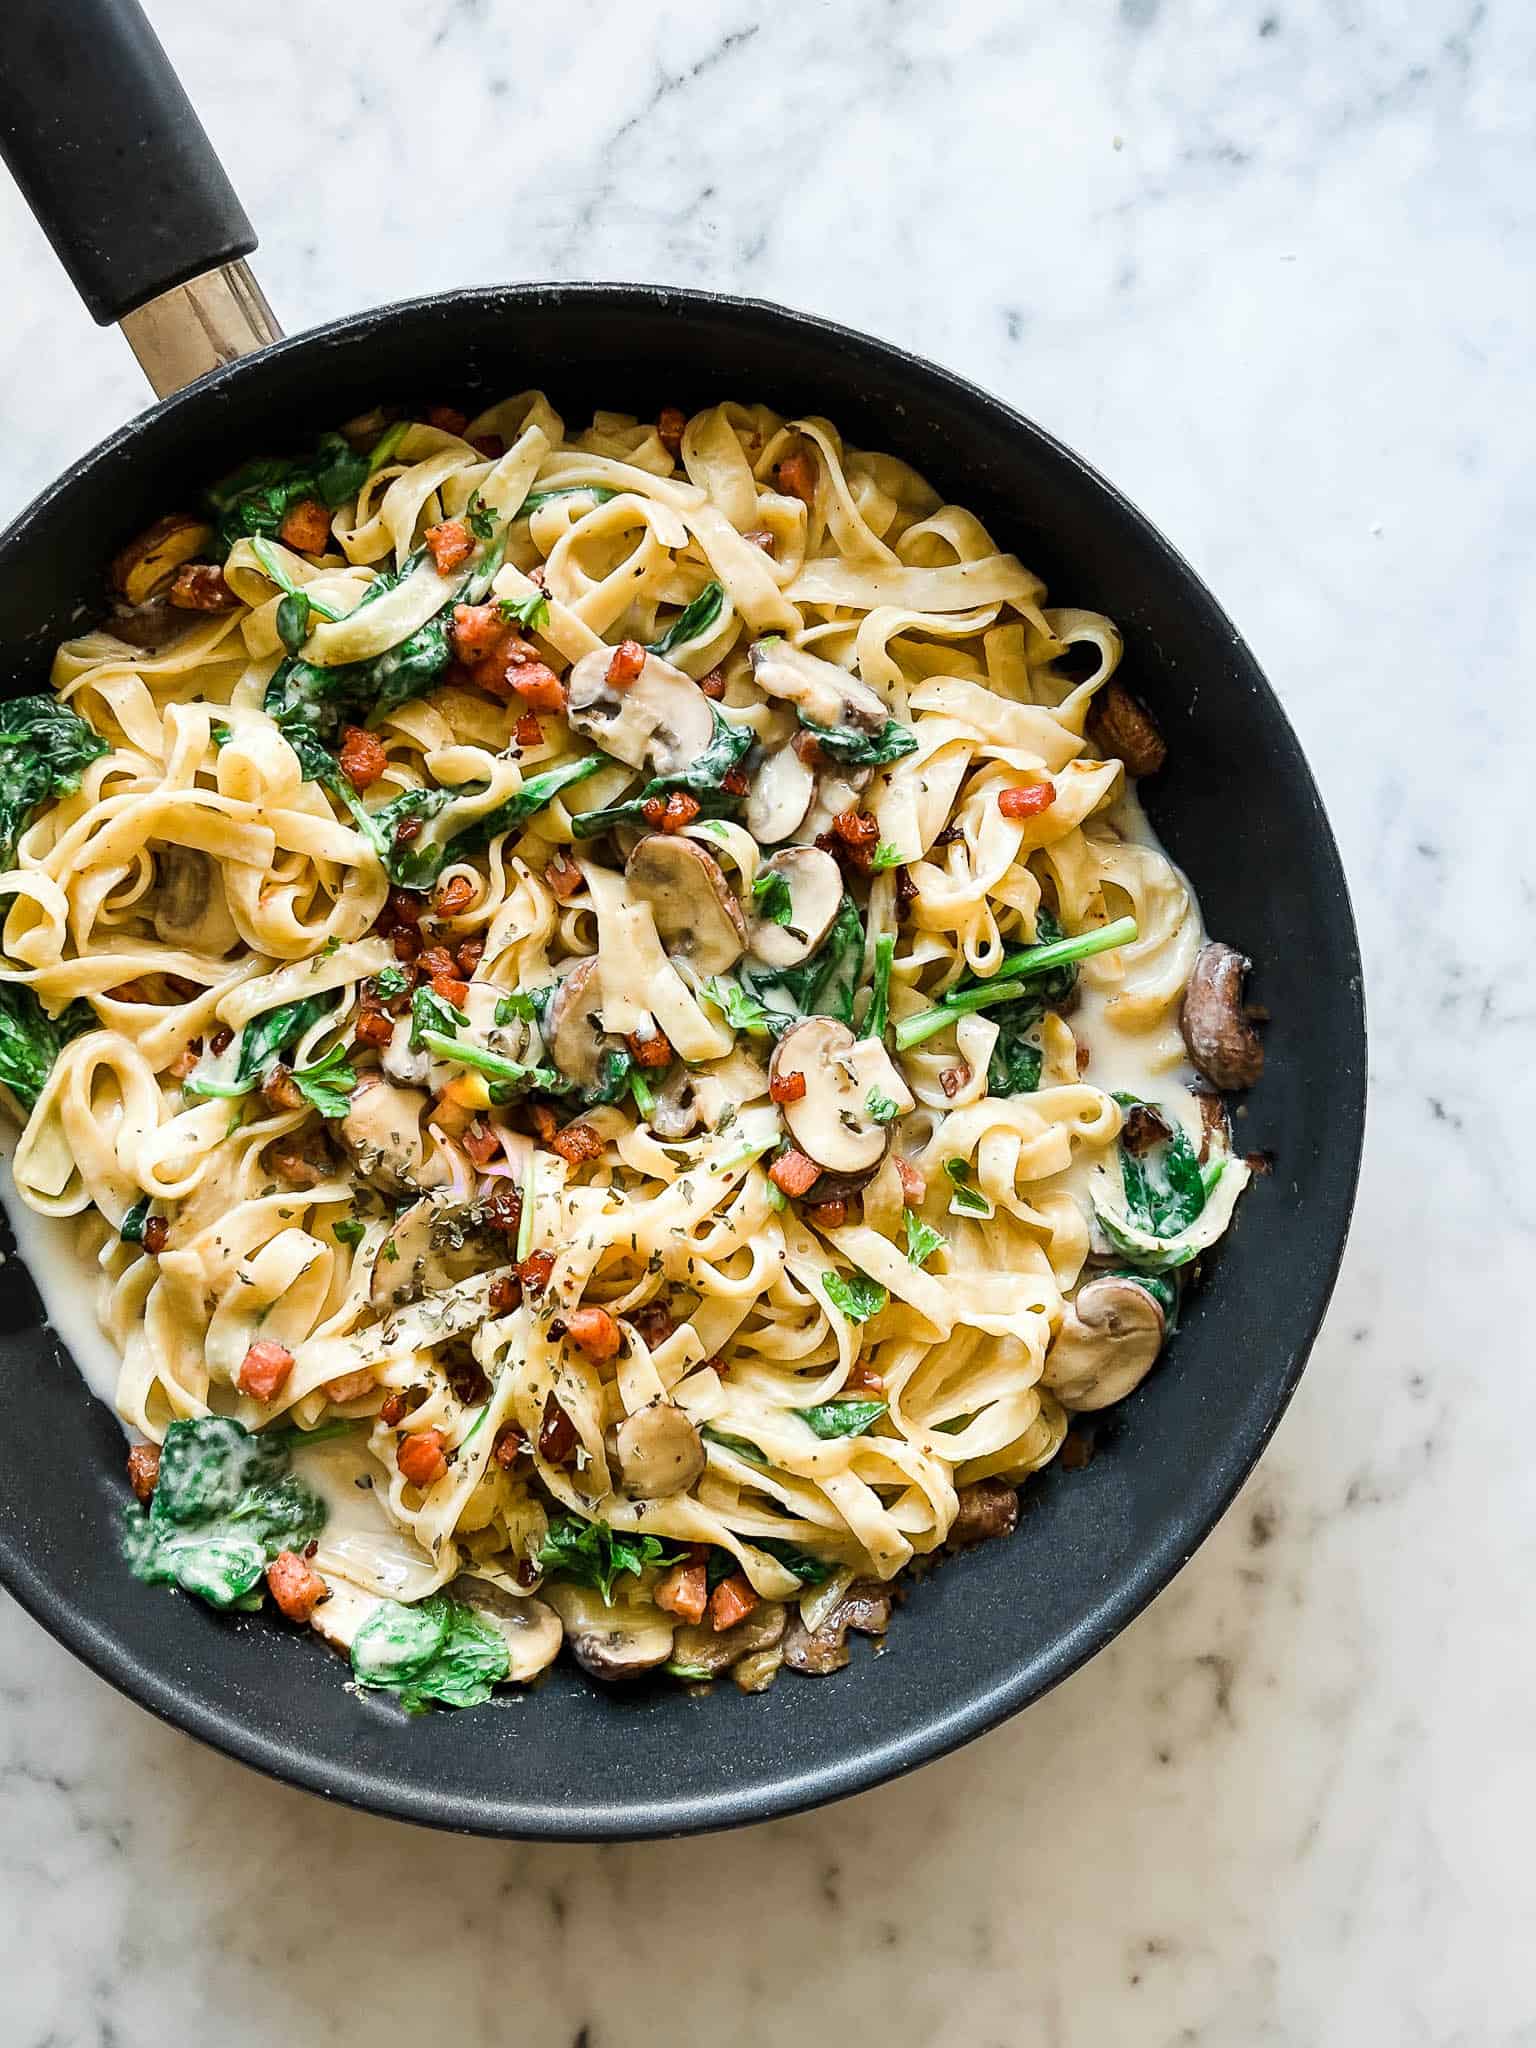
1267, 263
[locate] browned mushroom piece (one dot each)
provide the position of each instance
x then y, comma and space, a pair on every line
692, 905
149, 561
659, 1451
530, 1630
1110, 1335
865, 1607
1218, 1031
810, 883
702, 1648
573, 1028
616, 1642
382, 1132
1121, 725
988, 1508
832, 1121
660, 721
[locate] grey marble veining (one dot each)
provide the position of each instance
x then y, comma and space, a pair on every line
1269, 265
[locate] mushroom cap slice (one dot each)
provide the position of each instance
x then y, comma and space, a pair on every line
615, 1642
712, 1650
695, 910
678, 1112
188, 905
819, 690
815, 884
1109, 1336
659, 1451
1217, 1030
382, 1132
831, 1122
779, 796
577, 1042
530, 1629
661, 721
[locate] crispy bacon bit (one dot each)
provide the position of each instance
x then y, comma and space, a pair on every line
1084, 1058
1144, 1126
434, 961
447, 419
684, 1592
280, 1091
914, 1187
221, 1040
407, 830
594, 1331
394, 1409
491, 446
469, 956
509, 1446
576, 1144
456, 894
1028, 800
295, 1585
264, 1369
402, 907
563, 876
545, 1122
652, 1050
481, 1142
627, 660
680, 810
861, 1380
186, 1060
828, 1215
477, 632
808, 747
143, 1470
796, 476
528, 732
451, 543
538, 686
732, 1601
906, 894
374, 1027
669, 429
557, 1433
506, 1294
953, 1079
984, 1510
653, 810
735, 781
363, 759
199, 587
1121, 726
157, 1235
406, 944
793, 1174
787, 1087
451, 989
760, 538
535, 1270
855, 828
306, 527
712, 686
349, 1386
654, 1321
420, 1456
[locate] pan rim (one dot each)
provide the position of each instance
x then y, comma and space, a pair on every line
986, 1704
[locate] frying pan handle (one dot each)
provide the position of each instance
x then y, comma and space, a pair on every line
109, 155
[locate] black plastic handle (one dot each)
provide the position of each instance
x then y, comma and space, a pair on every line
109, 155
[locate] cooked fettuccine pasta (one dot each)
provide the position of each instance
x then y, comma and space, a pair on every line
604, 1013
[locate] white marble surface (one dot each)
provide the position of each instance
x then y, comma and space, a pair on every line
1268, 263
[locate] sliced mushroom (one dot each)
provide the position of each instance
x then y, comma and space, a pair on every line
865, 1607
1217, 1030
661, 721
577, 1042
530, 1629
611, 1642
713, 1652
188, 904
831, 1122
153, 558
659, 1451
382, 1131
1109, 1336
815, 884
410, 1069
984, 1510
695, 910
819, 690
678, 1112
779, 795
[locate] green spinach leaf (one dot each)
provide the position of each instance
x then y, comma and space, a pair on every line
852, 748
693, 622
44, 749
594, 1555
855, 1294
1164, 1189
841, 1418
823, 986
31, 1040
437, 1652
702, 779
807, 1568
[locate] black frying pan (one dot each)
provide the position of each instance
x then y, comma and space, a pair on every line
136, 205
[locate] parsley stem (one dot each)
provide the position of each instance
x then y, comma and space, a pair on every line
1013, 978
466, 1054
642, 1091
879, 1010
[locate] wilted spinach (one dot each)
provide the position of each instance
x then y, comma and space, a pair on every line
1164, 1188
693, 622
436, 1652
831, 1419
594, 1555
44, 749
31, 1040
224, 1505
703, 779
257, 497
823, 986
851, 748
262, 1044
